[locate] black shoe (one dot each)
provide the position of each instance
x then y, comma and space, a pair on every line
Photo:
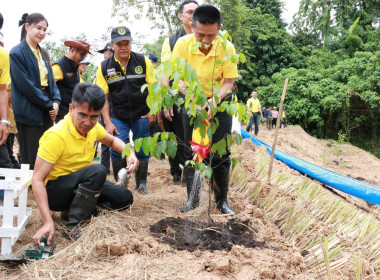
176, 178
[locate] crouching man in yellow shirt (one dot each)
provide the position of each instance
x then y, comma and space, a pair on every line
64, 178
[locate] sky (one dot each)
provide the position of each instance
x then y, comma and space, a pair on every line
74, 17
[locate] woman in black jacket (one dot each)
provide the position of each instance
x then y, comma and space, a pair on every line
35, 96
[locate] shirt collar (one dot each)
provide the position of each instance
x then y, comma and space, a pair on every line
213, 47
33, 49
118, 61
73, 131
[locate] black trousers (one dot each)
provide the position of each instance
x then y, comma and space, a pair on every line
180, 126
29, 137
224, 129
5, 161
105, 158
10, 142
93, 177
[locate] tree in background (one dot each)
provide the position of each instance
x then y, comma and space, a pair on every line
163, 13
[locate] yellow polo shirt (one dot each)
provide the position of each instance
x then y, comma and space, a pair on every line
254, 105
205, 64
5, 77
63, 146
166, 52
149, 78
41, 66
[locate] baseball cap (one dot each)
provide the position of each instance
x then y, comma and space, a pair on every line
79, 44
106, 48
120, 33
85, 61
153, 57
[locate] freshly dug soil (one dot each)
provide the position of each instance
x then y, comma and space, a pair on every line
183, 234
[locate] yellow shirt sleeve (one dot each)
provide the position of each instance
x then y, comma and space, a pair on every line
150, 71
100, 81
166, 52
101, 131
57, 72
180, 49
5, 77
230, 68
249, 104
51, 147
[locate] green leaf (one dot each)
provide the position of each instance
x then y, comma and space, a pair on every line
147, 143
168, 69
126, 151
161, 147
164, 135
233, 163
144, 87
229, 140
188, 72
238, 139
208, 172
172, 148
242, 58
138, 143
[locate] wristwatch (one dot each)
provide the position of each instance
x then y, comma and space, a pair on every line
5, 121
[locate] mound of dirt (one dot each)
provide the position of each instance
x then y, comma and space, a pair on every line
183, 234
342, 158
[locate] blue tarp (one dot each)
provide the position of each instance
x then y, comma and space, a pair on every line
345, 184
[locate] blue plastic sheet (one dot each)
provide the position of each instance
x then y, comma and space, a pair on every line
362, 190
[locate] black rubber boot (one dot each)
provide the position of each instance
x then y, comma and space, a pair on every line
81, 209
193, 190
141, 175
184, 175
116, 166
220, 186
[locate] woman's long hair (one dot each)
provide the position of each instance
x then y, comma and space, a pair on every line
31, 20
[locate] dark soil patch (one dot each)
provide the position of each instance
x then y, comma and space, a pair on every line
187, 235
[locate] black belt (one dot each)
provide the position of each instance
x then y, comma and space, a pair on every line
45, 88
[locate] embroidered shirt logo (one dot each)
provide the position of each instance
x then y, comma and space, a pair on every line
138, 70
69, 74
121, 31
111, 71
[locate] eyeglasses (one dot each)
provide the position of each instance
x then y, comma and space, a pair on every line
83, 117
81, 53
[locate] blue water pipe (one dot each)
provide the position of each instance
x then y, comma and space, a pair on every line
362, 190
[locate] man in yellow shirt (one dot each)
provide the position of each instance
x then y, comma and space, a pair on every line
206, 24
176, 120
66, 72
121, 77
254, 107
4, 122
5, 79
64, 178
